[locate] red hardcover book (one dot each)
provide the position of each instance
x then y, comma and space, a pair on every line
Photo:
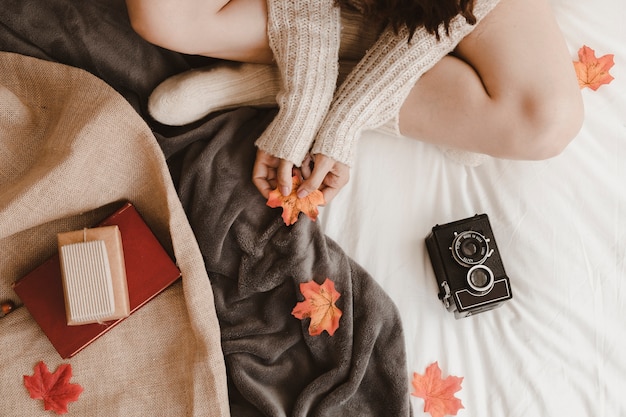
149, 271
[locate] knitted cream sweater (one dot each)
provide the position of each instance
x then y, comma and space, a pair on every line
304, 36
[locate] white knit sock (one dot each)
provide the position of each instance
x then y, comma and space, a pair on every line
189, 96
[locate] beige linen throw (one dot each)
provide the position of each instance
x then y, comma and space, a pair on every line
69, 145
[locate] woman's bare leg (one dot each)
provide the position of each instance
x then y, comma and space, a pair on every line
509, 92
227, 29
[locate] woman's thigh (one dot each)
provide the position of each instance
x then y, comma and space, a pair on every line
519, 49
509, 90
227, 29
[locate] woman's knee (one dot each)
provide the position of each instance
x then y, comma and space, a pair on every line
520, 54
548, 124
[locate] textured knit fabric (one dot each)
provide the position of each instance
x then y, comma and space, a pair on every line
304, 36
371, 95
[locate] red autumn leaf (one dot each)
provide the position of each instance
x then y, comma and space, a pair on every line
438, 393
319, 306
593, 72
292, 205
54, 389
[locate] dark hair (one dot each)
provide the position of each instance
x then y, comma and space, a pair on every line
430, 14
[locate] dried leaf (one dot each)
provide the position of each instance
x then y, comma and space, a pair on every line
54, 389
593, 72
319, 306
292, 205
438, 393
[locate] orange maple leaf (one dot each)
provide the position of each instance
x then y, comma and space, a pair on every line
438, 393
54, 389
593, 72
292, 205
319, 306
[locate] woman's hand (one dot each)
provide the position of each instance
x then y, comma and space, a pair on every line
270, 172
318, 171
327, 175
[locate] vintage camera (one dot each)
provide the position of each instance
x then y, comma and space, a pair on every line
468, 266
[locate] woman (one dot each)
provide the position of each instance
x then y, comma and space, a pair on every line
485, 76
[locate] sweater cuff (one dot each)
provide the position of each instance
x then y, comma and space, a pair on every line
281, 140
304, 37
338, 144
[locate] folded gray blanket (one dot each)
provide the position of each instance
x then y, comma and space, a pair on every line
254, 261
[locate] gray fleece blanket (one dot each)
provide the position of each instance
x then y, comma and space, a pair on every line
254, 261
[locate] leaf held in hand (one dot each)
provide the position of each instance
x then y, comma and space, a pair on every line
292, 205
438, 393
53, 388
319, 306
593, 72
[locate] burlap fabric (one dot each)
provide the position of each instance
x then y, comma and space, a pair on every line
70, 146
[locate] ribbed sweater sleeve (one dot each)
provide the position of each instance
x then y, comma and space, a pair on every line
374, 91
304, 36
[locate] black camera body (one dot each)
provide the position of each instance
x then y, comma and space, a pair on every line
468, 268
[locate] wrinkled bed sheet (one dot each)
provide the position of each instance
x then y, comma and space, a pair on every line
556, 349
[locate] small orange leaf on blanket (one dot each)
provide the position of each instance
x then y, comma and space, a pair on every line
593, 72
53, 388
319, 306
292, 205
438, 393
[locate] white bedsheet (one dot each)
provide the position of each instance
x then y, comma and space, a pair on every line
558, 347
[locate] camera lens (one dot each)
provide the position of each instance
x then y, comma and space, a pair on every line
470, 248
480, 279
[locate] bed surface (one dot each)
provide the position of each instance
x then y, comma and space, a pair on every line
555, 349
